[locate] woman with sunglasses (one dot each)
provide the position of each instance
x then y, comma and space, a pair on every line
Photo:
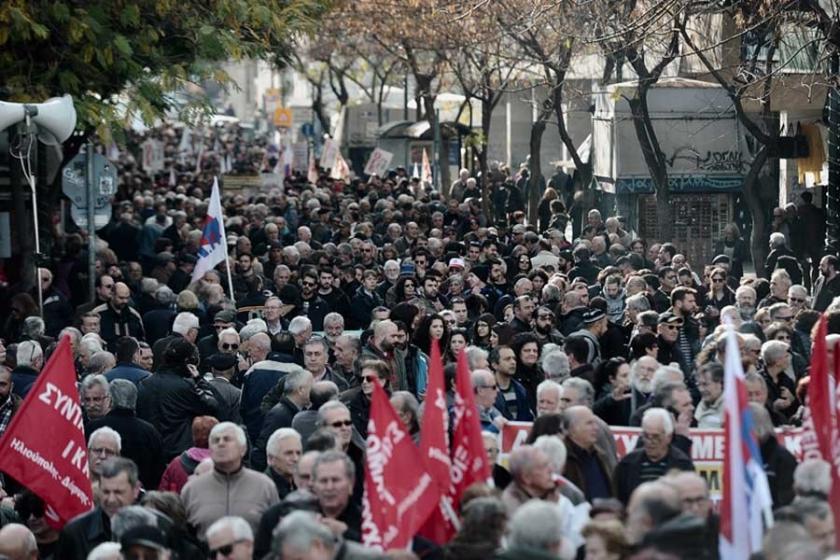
358, 398
720, 294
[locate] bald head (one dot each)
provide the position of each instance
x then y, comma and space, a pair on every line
651, 505
18, 543
385, 335
259, 345
121, 295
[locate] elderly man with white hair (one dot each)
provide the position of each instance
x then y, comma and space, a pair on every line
103, 444
654, 459
283, 452
230, 537
247, 493
548, 397
532, 473
30, 360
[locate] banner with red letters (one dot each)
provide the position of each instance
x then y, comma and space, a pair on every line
44, 446
706, 448
399, 493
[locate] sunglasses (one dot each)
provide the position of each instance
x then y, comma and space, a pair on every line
231, 346
369, 378
787, 318
342, 423
716, 280
671, 327
308, 283
224, 550
796, 300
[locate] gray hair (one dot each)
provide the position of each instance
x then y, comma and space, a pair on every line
165, 296
475, 354
554, 447
100, 362
115, 466
225, 426
812, 476
105, 431
184, 321
661, 415
90, 344
131, 517
777, 239
28, 352
638, 303
663, 374
299, 325
556, 365
521, 459
91, 380
537, 525
298, 532
240, 528
251, 328
295, 379
762, 423
327, 407
279, 435
123, 394
773, 350
408, 402
584, 387
334, 456
548, 385
229, 331
33, 326
105, 551
333, 318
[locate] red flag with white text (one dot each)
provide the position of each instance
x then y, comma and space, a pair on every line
434, 447
821, 423
469, 459
44, 446
399, 493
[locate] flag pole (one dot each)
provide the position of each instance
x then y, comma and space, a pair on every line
229, 276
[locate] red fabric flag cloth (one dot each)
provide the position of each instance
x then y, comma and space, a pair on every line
469, 460
434, 447
399, 493
44, 445
821, 424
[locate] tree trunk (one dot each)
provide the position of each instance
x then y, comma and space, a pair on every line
318, 109
760, 224
535, 144
655, 161
486, 112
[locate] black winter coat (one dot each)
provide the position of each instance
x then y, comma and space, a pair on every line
280, 416
629, 470
141, 443
82, 535
170, 402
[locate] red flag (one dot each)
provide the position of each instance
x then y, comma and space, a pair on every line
399, 493
821, 436
51, 462
434, 447
469, 460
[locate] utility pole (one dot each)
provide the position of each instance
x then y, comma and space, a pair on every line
832, 192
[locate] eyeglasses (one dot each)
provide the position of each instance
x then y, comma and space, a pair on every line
716, 280
671, 327
786, 318
341, 423
310, 284
369, 378
230, 346
796, 300
224, 550
103, 451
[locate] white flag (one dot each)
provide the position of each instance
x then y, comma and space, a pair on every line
213, 247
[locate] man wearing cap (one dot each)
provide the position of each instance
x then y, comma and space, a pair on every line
182, 276
668, 331
208, 345
145, 541
594, 326
223, 368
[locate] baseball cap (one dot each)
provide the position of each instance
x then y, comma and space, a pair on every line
456, 263
225, 316
669, 317
144, 535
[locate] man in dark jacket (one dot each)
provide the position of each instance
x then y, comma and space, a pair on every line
127, 352
827, 286
170, 399
584, 267
654, 459
587, 467
365, 301
119, 487
223, 368
296, 388
512, 399
140, 441
117, 318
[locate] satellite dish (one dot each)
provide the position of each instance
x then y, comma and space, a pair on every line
54, 119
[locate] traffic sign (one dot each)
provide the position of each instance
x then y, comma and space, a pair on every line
306, 129
74, 181
283, 117
100, 218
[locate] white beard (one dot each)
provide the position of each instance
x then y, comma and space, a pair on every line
642, 386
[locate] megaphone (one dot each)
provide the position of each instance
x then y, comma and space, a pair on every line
55, 118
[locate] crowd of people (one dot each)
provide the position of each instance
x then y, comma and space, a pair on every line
227, 419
